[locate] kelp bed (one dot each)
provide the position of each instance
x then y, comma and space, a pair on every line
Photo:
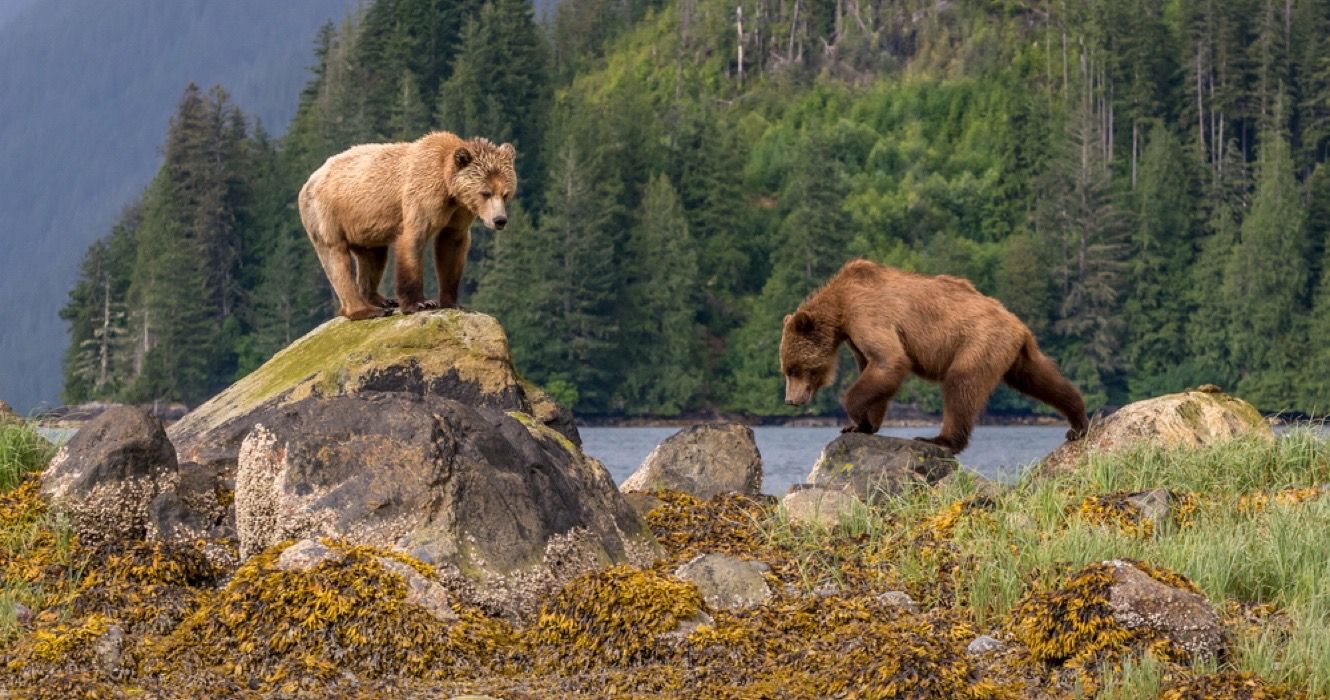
163, 620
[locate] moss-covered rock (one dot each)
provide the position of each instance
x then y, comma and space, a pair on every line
1187, 419
452, 354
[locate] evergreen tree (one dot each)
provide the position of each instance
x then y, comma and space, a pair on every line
1267, 280
409, 118
499, 86
1079, 219
1162, 254
661, 338
814, 224
97, 359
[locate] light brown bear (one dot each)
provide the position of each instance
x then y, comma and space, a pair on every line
401, 195
937, 327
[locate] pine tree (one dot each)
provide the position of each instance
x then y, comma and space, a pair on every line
814, 223
96, 361
1162, 254
661, 338
1080, 220
409, 118
499, 87
1267, 279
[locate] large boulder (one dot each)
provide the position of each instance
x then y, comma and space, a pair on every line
107, 475
449, 353
871, 465
1194, 418
703, 460
468, 488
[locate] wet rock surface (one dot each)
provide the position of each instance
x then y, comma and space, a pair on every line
703, 460
871, 465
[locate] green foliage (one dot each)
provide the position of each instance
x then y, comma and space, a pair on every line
686, 180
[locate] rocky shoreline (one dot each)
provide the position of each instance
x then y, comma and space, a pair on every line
387, 510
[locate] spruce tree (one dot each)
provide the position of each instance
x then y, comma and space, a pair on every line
1267, 279
1161, 254
661, 338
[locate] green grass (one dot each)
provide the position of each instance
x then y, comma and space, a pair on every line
28, 532
1277, 556
22, 451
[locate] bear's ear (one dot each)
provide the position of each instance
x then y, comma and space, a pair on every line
507, 151
803, 323
461, 157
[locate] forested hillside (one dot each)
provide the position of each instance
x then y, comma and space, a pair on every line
86, 89
1145, 187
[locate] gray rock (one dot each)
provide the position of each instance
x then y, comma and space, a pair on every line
1186, 618
808, 504
726, 582
899, 599
446, 354
110, 472
1155, 505
983, 644
109, 651
480, 490
704, 460
22, 613
304, 555
641, 502
198, 507
421, 591
872, 466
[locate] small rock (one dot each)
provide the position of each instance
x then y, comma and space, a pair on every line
22, 614
1155, 507
983, 644
725, 581
826, 590
899, 599
642, 502
686, 627
108, 650
1186, 618
421, 591
806, 504
985, 489
108, 474
872, 466
704, 460
304, 555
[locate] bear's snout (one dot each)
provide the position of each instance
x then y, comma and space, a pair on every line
500, 222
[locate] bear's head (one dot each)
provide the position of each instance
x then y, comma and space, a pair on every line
484, 179
807, 357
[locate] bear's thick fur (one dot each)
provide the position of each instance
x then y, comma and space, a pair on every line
937, 327
401, 195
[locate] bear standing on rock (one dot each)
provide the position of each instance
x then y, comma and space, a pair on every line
403, 195
937, 327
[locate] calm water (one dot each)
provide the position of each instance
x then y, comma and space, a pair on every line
997, 452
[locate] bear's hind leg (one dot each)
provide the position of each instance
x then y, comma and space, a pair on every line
370, 263
1036, 376
965, 390
339, 269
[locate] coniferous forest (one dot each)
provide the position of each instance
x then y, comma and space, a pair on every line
1143, 183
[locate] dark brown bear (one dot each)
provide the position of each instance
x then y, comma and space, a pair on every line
937, 327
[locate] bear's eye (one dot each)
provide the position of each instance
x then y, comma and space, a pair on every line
486, 194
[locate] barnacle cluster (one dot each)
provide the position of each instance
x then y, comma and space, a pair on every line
1227, 686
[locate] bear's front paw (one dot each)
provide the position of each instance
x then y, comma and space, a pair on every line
1073, 435
850, 429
